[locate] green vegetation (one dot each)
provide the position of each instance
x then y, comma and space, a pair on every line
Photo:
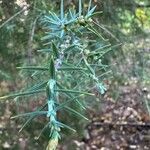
61, 55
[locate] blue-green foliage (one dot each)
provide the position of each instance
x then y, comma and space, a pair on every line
75, 49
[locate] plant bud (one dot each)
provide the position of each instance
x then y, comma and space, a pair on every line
52, 145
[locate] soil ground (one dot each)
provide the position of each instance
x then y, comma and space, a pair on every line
120, 125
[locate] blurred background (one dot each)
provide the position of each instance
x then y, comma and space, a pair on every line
123, 22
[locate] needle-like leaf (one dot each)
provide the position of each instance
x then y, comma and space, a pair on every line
71, 68
52, 69
33, 68
22, 94
32, 117
62, 9
45, 127
62, 125
80, 7
60, 106
75, 112
89, 7
37, 113
75, 92
55, 50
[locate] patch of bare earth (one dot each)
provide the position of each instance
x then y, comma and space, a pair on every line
121, 125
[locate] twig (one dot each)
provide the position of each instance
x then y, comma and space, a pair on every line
147, 106
31, 36
106, 30
15, 15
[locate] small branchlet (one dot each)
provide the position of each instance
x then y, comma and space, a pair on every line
75, 47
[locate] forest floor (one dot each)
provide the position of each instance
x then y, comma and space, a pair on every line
120, 125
